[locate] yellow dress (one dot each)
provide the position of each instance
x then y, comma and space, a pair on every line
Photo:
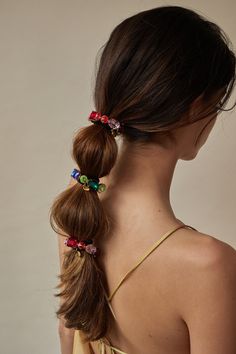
103, 344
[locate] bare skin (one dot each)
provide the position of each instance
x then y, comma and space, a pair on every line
181, 299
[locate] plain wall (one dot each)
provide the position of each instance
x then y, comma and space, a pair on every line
48, 51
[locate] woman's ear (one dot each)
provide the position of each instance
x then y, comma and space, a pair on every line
196, 107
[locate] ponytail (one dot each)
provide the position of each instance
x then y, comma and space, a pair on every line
79, 212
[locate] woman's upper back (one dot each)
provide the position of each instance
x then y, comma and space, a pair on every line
151, 304
142, 304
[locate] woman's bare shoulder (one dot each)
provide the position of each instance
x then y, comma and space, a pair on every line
205, 250
191, 250
202, 263
206, 289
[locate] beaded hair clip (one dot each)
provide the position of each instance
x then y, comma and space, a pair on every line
83, 245
111, 123
88, 183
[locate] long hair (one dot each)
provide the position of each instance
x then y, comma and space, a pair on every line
152, 67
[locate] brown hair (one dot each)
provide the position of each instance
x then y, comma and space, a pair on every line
153, 66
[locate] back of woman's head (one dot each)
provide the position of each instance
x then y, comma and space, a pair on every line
153, 66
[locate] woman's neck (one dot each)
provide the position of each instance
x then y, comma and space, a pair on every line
141, 179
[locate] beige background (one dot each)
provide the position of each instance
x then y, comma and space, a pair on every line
48, 51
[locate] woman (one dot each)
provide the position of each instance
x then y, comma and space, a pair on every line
134, 278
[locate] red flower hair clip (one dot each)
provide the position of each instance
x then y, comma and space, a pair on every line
84, 245
114, 125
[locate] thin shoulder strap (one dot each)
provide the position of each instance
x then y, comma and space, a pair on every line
146, 255
102, 347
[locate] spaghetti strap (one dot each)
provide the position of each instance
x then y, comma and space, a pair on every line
102, 347
145, 256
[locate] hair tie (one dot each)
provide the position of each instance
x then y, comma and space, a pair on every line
88, 183
83, 245
113, 124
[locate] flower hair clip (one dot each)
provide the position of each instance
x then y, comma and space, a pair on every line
88, 184
84, 245
113, 124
